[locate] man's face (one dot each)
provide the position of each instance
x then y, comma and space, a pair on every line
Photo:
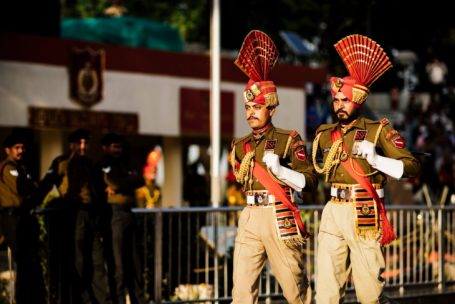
113, 149
79, 148
344, 109
258, 115
15, 152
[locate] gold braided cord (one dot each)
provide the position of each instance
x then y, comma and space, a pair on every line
333, 158
358, 173
288, 143
242, 175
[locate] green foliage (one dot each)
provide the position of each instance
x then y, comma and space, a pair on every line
189, 16
321, 21
84, 8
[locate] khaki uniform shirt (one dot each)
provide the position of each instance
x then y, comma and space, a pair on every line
288, 145
16, 185
73, 178
389, 144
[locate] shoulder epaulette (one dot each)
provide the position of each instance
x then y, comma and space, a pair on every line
325, 127
371, 122
384, 121
283, 131
294, 133
2, 168
298, 143
238, 140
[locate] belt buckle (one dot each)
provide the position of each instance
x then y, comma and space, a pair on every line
260, 199
344, 194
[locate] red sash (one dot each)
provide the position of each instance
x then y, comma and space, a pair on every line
266, 180
388, 235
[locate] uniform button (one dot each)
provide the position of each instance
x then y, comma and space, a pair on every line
341, 174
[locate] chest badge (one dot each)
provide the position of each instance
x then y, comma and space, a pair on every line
270, 145
359, 136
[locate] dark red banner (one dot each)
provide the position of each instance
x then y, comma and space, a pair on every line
195, 112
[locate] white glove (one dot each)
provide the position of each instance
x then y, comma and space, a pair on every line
389, 166
367, 150
272, 162
292, 178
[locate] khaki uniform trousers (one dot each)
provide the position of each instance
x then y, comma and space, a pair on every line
257, 240
342, 251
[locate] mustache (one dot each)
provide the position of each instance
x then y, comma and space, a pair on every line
252, 117
341, 111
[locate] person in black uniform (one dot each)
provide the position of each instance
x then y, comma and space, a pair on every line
18, 197
72, 175
112, 147
121, 181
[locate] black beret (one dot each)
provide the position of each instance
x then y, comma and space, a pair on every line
112, 138
14, 139
78, 134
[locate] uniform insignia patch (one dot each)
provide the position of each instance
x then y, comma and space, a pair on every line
270, 144
384, 121
360, 134
301, 154
14, 172
398, 142
396, 139
391, 134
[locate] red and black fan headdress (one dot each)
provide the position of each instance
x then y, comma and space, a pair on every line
257, 57
365, 61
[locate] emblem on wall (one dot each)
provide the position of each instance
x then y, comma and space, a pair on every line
86, 70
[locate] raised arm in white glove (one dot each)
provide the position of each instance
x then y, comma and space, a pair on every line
292, 178
389, 166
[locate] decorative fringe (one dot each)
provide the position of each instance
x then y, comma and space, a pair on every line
271, 99
368, 233
388, 235
292, 236
295, 241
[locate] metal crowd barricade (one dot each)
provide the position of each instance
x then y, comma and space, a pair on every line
184, 263
188, 252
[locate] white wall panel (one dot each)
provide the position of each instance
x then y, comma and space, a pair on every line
154, 98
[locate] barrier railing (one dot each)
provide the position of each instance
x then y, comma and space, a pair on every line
188, 252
